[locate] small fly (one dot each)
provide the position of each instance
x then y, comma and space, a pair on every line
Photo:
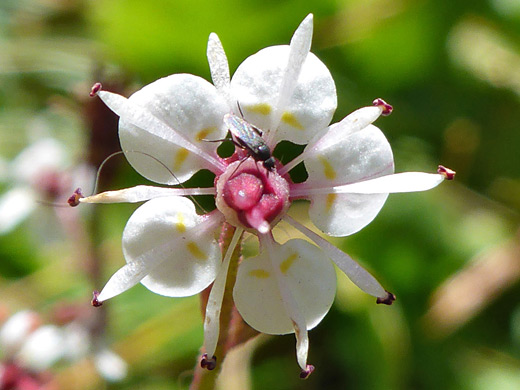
249, 138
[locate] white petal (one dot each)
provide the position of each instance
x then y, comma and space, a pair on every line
189, 253
355, 272
170, 249
214, 305
43, 348
363, 155
298, 50
257, 85
163, 127
292, 308
307, 273
143, 193
15, 206
352, 123
110, 365
218, 65
16, 329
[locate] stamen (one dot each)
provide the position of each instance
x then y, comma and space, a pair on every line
214, 305
387, 108
73, 200
304, 374
95, 302
388, 300
95, 89
208, 364
448, 173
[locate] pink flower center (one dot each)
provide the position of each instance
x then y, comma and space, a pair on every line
252, 197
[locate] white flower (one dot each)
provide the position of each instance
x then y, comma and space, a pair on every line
16, 329
28, 344
39, 173
110, 365
43, 348
289, 94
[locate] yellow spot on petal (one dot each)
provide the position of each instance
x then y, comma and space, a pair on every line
259, 273
180, 157
196, 251
203, 134
181, 226
328, 169
291, 120
286, 264
331, 198
261, 108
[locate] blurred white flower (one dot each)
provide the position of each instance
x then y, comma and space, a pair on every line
40, 173
41, 349
16, 329
33, 347
110, 365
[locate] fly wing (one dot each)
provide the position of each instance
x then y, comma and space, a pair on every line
244, 133
238, 127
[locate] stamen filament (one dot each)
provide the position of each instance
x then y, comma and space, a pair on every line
356, 273
291, 306
212, 319
399, 182
144, 193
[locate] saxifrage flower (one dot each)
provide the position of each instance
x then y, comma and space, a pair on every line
283, 93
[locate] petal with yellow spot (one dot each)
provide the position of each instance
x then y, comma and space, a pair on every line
180, 224
328, 169
287, 263
331, 198
194, 249
260, 108
180, 157
290, 119
203, 134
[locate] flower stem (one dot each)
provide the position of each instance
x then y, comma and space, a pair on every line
204, 379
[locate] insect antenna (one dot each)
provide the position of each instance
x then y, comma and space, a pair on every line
98, 173
240, 109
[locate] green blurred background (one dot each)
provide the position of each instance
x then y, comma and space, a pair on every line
451, 69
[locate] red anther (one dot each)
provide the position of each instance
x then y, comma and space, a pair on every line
304, 374
95, 89
208, 364
73, 200
387, 300
387, 108
448, 173
95, 302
